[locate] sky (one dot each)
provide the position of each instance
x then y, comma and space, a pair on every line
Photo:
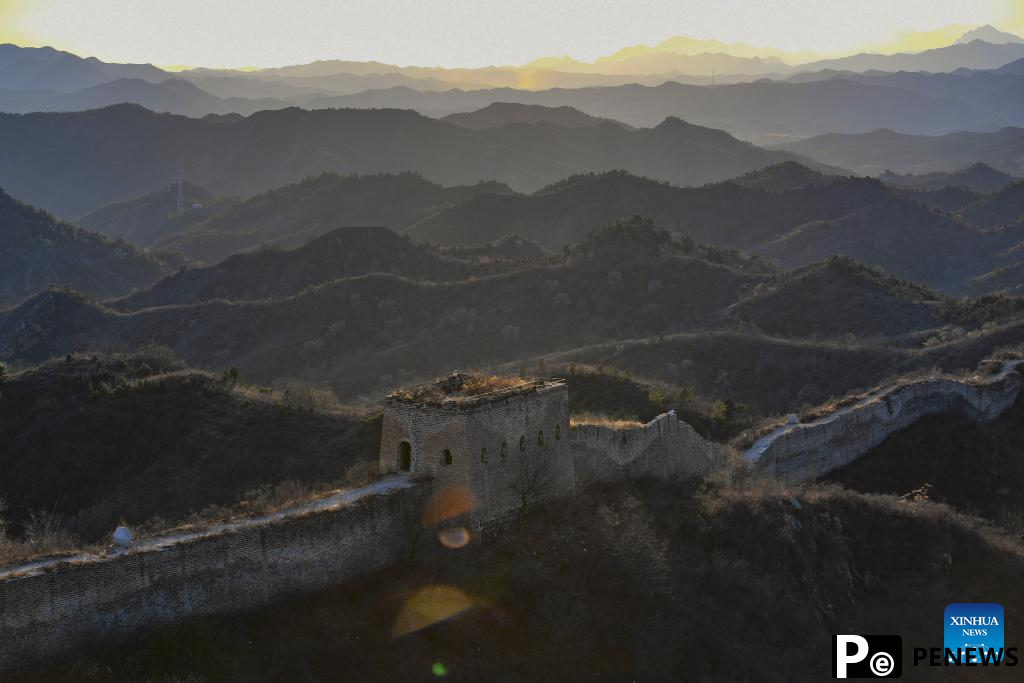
471, 33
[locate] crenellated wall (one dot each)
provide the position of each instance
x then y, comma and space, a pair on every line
808, 451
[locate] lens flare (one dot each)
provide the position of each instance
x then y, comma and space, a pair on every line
428, 606
449, 503
454, 538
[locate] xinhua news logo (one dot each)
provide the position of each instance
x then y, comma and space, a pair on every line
976, 630
867, 657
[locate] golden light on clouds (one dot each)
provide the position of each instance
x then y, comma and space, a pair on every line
484, 32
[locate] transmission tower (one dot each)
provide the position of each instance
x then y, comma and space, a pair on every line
180, 180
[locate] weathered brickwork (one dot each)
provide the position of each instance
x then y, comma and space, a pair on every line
49, 609
810, 451
664, 447
428, 432
496, 447
121, 596
536, 437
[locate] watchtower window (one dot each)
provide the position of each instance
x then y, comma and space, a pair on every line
446, 457
558, 432
504, 449
404, 456
483, 454
522, 443
540, 437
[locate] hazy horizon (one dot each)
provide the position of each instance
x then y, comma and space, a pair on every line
265, 34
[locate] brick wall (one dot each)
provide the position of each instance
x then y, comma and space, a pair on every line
122, 596
664, 447
809, 451
112, 598
527, 421
429, 431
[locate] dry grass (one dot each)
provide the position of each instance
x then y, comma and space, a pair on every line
463, 388
43, 536
265, 500
604, 421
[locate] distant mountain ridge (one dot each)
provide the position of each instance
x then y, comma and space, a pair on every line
44, 68
881, 150
505, 113
989, 34
728, 214
353, 330
174, 95
762, 111
275, 274
978, 177
286, 216
243, 156
39, 251
976, 54
639, 86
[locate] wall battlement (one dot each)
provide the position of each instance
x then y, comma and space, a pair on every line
48, 607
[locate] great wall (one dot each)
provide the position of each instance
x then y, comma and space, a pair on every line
481, 447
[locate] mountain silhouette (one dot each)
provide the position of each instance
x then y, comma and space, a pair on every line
44, 68
881, 150
173, 95
503, 113
763, 111
989, 34
72, 163
976, 54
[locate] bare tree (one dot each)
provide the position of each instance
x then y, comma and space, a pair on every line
533, 477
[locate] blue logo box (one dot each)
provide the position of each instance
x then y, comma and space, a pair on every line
974, 625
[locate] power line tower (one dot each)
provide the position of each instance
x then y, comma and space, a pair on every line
180, 180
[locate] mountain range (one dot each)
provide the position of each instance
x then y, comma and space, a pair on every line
786, 214
174, 95
979, 178
73, 163
639, 86
631, 281
762, 111
40, 251
976, 54
936, 232
887, 150
287, 216
47, 69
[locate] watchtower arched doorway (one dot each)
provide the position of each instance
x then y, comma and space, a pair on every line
404, 456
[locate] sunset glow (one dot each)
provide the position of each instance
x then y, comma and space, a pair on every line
239, 33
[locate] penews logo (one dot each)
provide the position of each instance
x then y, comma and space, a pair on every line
867, 657
976, 629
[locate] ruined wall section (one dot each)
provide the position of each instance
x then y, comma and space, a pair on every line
810, 451
665, 447
115, 598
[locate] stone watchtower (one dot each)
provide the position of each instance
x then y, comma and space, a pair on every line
505, 440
